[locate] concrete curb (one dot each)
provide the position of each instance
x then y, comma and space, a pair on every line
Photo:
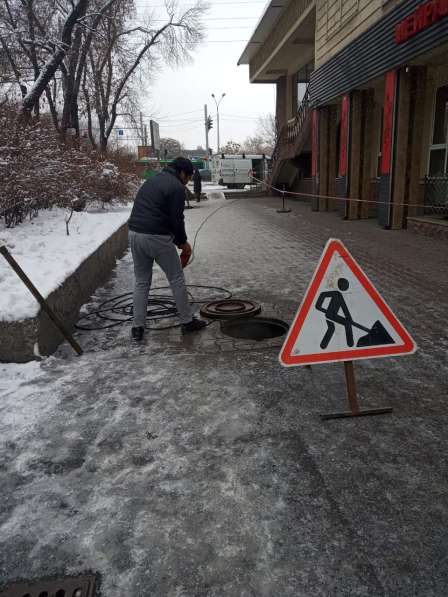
19, 339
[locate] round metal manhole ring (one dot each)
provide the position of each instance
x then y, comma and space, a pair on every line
255, 328
230, 306
230, 309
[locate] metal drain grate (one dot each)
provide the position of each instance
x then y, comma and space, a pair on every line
256, 328
68, 586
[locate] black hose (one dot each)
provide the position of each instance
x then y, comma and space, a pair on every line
118, 309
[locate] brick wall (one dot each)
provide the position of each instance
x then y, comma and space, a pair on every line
339, 22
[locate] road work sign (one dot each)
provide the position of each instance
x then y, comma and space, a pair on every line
343, 317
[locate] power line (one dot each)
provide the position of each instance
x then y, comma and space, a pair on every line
186, 6
231, 28
225, 41
175, 114
254, 19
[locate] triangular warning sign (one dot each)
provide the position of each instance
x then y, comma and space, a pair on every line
343, 317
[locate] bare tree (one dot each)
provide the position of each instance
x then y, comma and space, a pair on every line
117, 56
172, 147
257, 144
267, 129
231, 148
58, 51
74, 71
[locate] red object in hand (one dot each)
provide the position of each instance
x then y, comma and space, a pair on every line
184, 259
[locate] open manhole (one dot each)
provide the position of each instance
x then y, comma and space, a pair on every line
257, 328
68, 586
230, 309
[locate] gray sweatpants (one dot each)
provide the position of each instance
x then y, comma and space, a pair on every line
147, 248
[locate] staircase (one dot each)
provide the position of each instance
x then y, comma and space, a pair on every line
292, 138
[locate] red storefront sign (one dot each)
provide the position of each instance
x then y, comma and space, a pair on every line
343, 155
315, 144
423, 17
388, 122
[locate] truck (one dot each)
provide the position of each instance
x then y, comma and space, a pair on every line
237, 171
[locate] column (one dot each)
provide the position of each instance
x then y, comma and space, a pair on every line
417, 128
355, 154
387, 149
323, 157
369, 151
280, 106
332, 166
400, 185
315, 158
343, 170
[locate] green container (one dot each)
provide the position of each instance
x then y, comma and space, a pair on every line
147, 174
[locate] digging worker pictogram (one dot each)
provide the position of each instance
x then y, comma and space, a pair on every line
337, 303
337, 312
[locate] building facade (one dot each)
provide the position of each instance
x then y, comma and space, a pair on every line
369, 82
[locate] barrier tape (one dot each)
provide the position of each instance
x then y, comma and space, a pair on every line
283, 192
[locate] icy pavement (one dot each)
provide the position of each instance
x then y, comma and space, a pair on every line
193, 467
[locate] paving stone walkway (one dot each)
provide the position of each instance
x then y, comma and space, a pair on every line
198, 467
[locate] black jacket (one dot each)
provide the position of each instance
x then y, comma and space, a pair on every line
197, 181
159, 207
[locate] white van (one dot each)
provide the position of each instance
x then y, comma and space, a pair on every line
233, 171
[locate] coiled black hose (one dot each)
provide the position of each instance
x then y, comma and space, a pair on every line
118, 309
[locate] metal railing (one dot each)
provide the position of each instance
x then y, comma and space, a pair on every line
289, 133
295, 125
436, 195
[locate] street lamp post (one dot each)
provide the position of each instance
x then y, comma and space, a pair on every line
217, 113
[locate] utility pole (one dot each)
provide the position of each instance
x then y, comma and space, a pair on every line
142, 130
217, 113
206, 129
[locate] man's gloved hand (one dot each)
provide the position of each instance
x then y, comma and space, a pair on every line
186, 254
185, 248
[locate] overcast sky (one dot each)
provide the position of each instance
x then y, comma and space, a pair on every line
178, 96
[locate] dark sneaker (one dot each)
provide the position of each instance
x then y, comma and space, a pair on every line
137, 333
195, 325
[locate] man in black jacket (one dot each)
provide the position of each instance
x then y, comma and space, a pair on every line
156, 227
197, 184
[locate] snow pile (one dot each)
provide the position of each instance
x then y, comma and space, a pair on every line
215, 195
48, 256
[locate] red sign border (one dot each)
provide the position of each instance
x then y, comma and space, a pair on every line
288, 360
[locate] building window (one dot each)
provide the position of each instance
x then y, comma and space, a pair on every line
439, 145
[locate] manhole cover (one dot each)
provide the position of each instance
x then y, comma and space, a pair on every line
230, 309
258, 328
69, 586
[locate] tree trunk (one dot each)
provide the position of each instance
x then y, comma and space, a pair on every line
89, 114
49, 69
52, 106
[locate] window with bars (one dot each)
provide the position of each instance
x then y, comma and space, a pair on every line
438, 151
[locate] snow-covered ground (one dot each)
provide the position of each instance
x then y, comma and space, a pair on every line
48, 256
